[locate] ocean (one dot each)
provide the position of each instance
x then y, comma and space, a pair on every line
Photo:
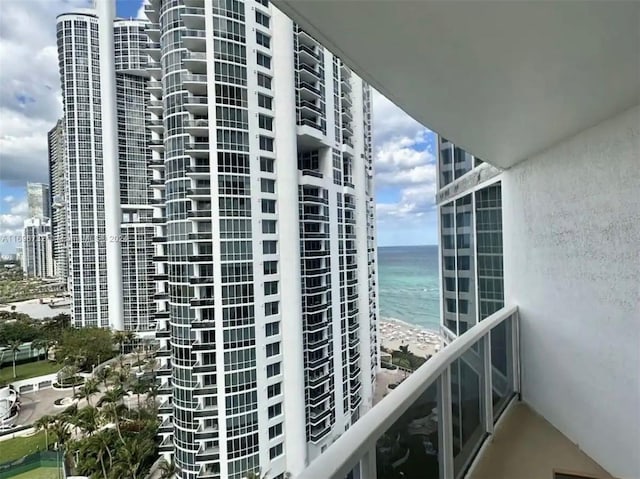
409, 289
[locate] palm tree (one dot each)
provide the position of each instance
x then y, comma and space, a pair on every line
139, 387
89, 389
113, 395
111, 412
138, 354
132, 456
167, 469
14, 347
88, 420
103, 375
61, 431
45, 423
38, 345
118, 339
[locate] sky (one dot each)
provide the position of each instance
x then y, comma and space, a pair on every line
31, 103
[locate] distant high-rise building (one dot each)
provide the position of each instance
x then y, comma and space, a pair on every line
470, 239
58, 181
38, 200
103, 77
265, 251
37, 248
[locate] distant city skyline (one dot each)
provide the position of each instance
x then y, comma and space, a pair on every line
404, 151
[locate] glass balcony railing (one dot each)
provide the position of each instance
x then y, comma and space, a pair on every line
432, 425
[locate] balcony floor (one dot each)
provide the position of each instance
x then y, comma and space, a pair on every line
527, 446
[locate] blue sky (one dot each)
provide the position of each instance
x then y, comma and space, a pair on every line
30, 104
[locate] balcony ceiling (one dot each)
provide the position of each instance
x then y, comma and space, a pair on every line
504, 80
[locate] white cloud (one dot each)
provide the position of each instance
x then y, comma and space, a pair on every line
30, 100
405, 165
11, 224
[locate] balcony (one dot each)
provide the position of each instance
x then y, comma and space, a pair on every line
197, 104
195, 83
195, 40
469, 383
193, 17
309, 73
197, 149
197, 127
155, 87
196, 62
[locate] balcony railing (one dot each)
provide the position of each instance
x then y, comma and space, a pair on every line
433, 424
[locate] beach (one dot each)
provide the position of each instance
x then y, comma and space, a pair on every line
421, 342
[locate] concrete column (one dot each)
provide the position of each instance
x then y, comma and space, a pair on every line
110, 164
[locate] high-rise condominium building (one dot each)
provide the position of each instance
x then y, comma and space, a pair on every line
38, 200
265, 250
58, 182
470, 239
107, 200
37, 253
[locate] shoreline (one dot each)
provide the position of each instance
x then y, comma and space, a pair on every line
395, 333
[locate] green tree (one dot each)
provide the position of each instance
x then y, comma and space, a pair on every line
89, 388
40, 344
132, 455
86, 346
14, 348
103, 374
45, 423
167, 469
139, 387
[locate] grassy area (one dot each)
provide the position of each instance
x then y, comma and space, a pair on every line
41, 473
18, 447
27, 370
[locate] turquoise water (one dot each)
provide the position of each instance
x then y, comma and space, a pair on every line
408, 285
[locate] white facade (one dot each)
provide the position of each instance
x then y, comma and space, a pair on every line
265, 254
572, 264
37, 259
107, 193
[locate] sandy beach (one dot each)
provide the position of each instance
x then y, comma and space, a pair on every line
421, 342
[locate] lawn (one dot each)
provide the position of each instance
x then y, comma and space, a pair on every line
18, 447
41, 473
27, 370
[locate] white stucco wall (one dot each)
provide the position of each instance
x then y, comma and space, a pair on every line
572, 264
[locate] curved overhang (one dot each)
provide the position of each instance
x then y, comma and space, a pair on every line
504, 80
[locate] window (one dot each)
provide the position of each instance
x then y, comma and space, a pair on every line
265, 122
270, 288
267, 186
275, 451
262, 39
265, 101
273, 370
271, 308
270, 267
451, 305
267, 164
264, 80
273, 349
270, 247
263, 60
274, 390
275, 431
268, 206
262, 19
263, 2
266, 143
271, 329
275, 410
269, 226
